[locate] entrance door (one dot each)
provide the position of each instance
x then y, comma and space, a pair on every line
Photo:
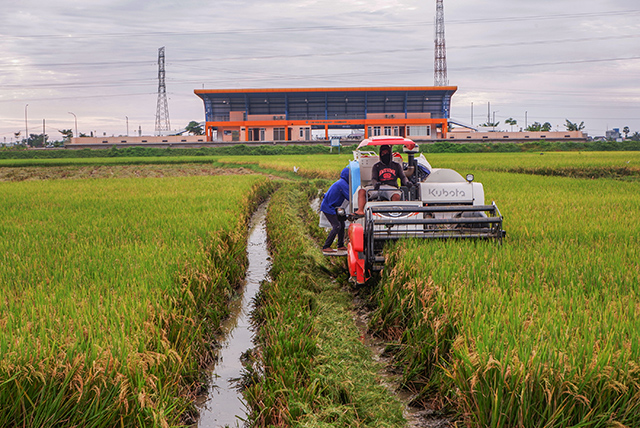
254, 134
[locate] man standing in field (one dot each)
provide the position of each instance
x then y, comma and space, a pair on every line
333, 199
384, 180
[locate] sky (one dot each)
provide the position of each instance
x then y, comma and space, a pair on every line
96, 62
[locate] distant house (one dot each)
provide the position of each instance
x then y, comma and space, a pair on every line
614, 134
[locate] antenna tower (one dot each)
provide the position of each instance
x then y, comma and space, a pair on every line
162, 109
440, 63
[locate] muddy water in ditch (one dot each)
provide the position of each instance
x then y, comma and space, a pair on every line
224, 405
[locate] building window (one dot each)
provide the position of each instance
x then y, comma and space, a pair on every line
387, 130
413, 131
279, 134
396, 131
376, 131
301, 132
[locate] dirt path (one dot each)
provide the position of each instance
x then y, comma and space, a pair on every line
391, 378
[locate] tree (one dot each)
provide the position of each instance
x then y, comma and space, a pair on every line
573, 126
67, 134
490, 124
37, 140
194, 128
512, 122
537, 127
626, 131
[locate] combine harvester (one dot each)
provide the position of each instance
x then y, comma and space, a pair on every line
439, 204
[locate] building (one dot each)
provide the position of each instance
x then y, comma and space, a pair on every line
249, 115
291, 115
458, 135
614, 135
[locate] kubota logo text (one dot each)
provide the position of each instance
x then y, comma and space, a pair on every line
442, 193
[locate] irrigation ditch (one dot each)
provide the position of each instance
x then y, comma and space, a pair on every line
223, 404
312, 360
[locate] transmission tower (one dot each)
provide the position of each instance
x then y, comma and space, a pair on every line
440, 63
162, 110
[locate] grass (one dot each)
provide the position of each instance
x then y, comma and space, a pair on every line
111, 293
313, 369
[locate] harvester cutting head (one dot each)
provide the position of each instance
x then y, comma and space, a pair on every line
439, 204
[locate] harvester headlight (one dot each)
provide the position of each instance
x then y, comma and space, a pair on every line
469, 178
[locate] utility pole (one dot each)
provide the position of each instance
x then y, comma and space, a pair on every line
440, 62
162, 109
75, 119
26, 125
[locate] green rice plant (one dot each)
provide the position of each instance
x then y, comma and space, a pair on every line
568, 164
541, 331
625, 165
110, 293
307, 166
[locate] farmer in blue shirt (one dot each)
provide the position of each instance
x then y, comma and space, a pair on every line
335, 196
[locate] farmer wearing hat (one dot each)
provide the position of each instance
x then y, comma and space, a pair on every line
384, 180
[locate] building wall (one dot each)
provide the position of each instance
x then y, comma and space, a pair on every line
465, 135
140, 140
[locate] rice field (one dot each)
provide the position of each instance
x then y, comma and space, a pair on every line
541, 331
580, 164
104, 288
308, 166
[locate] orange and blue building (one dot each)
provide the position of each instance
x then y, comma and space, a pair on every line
247, 115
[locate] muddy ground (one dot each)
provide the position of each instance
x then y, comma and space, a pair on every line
114, 171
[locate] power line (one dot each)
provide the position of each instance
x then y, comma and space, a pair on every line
341, 27
180, 62
262, 75
539, 64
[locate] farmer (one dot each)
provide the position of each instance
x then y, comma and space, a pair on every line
333, 199
384, 180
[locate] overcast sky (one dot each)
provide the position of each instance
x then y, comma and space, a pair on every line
548, 60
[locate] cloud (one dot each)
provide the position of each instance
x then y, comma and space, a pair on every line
98, 59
